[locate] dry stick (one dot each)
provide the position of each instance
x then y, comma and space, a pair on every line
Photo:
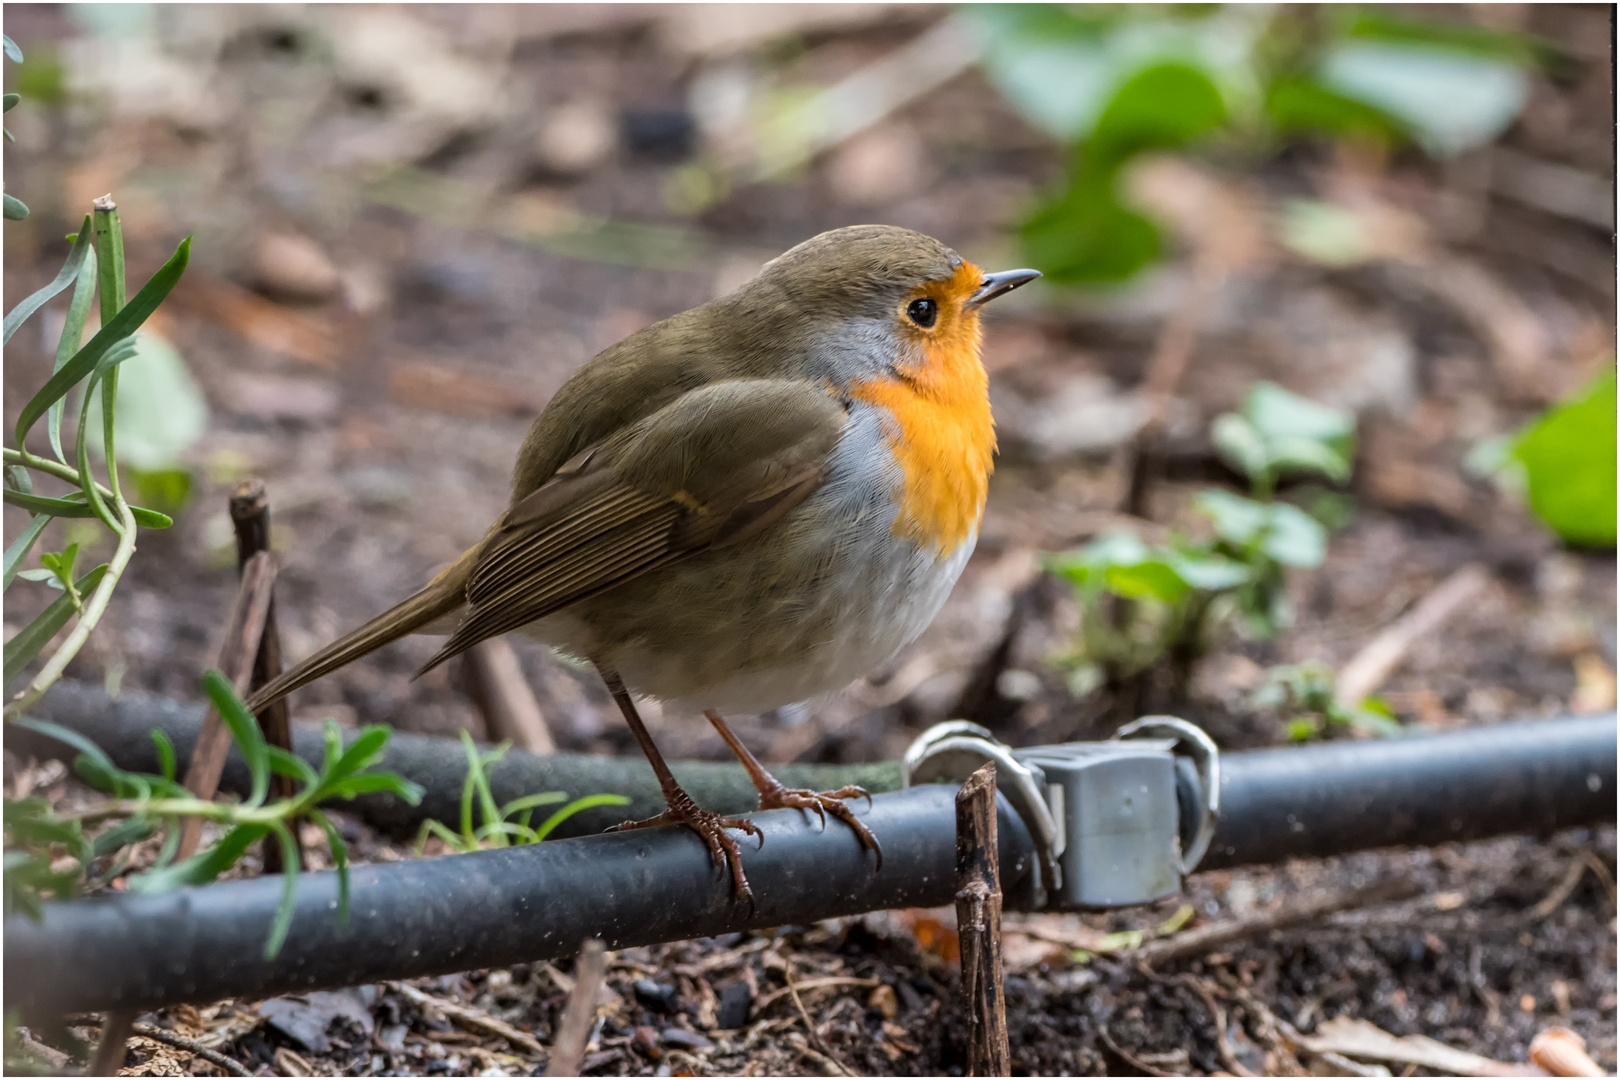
114, 1044
1206, 939
978, 924
1378, 659
164, 1035
242, 635
250, 515
472, 1018
568, 1048
496, 684
809, 1025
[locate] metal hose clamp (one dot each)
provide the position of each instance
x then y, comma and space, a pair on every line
954, 749
1207, 757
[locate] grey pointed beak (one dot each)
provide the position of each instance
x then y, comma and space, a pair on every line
996, 284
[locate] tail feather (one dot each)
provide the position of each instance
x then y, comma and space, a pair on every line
434, 602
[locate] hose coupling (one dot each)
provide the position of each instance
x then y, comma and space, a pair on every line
1116, 823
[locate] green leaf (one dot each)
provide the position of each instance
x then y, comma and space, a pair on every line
9, 102
244, 728
1450, 100
87, 749
26, 643
1569, 461
1236, 441
13, 208
575, 807
165, 752
64, 277
366, 783
203, 867
1277, 414
84, 292
1293, 537
125, 323
61, 563
289, 889
1212, 573
1087, 234
340, 857
529, 802
20, 547
1303, 728
1291, 454
72, 508
363, 752
121, 836
1160, 107
284, 763
1149, 579
1300, 104
1237, 520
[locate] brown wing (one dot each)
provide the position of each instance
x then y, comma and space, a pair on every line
714, 467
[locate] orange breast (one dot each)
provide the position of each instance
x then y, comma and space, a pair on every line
943, 435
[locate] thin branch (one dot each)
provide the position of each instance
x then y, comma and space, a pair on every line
192, 1046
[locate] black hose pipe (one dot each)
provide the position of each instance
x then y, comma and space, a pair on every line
489, 909
120, 726
501, 907
1331, 798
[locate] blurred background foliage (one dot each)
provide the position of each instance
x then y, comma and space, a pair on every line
1114, 82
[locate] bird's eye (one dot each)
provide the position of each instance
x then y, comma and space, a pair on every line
923, 312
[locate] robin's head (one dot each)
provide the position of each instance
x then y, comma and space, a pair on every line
885, 300
893, 319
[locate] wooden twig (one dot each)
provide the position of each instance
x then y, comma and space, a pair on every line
978, 924
1379, 658
568, 1048
765, 1001
236, 656
1206, 939
471, 1018
496, 684
250, 515
109, 1057
820, 1044
191, 1046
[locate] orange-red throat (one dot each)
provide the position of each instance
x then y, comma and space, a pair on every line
943, 437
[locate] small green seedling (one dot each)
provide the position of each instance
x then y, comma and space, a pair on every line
1143, 606
502, 826
1306, 692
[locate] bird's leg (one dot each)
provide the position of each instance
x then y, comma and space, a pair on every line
774, 795
682, 810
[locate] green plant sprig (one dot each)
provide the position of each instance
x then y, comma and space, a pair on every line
159, 802
95, 267
498, 829
1143, 606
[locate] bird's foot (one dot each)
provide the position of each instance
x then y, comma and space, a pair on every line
776, 796
712, 828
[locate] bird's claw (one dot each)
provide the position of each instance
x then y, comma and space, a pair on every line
823, 803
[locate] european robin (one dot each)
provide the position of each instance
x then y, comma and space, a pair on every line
743, 506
